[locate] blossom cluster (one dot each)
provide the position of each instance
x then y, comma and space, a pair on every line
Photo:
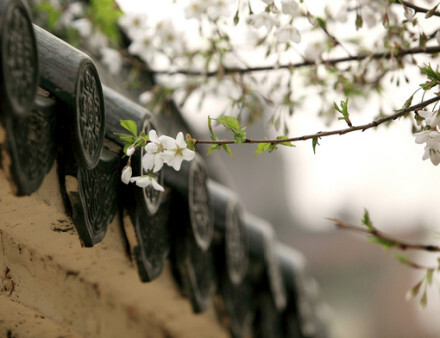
430, 136
159, 150
270, 19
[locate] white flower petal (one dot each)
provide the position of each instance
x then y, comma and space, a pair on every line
126, 174
168, 142
156, 185
188, 155
180, 140
148, 161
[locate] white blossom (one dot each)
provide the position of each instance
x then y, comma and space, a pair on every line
145, 97
314, 51
432, 148
83, 26
432, 119
288, 34
112, 59
263, 19
133, 24
126, 174
290, 7
141, 46
178, 152
74, 10
169, 36
154, 157
145, 181
196, 9
219, 8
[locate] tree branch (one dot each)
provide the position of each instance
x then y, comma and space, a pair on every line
334, 61
396, 243
417, 8
320, 134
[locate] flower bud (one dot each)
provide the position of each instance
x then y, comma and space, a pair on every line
130, 150
126, 174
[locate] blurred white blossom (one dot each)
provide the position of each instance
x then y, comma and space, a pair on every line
133, 24
288, 34
263, 19
290, 7
112, 59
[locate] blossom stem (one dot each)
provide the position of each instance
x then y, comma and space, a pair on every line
320, 134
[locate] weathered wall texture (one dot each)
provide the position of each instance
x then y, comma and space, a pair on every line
50, 286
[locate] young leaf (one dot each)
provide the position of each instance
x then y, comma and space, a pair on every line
227, 149
367, 221
126, 138
429, 274
431, 12
287, 144
213, 148
386, 244
414, 291
262, 147
229, 122
403, 259
130, 126
314, 144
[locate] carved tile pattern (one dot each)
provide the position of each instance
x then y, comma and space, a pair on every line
20, 65
89, 110
199, 204
97, 190
236, 244
32, 143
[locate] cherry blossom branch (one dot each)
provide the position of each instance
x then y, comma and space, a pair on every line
306, 63
320, 134
418, 9
393, 242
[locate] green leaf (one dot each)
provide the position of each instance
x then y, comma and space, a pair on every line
315, 143
126, 138
240, 138
130, 126
424, 299
367, 221
414, 291
408, 102
262, 147
213, 148
287, 144
430, 73
431, 12
227, 149
429, 274
229, 122
386, 244
403, 259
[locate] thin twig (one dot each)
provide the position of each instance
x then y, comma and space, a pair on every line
396, 243
320, 134
306, 63
418, 9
